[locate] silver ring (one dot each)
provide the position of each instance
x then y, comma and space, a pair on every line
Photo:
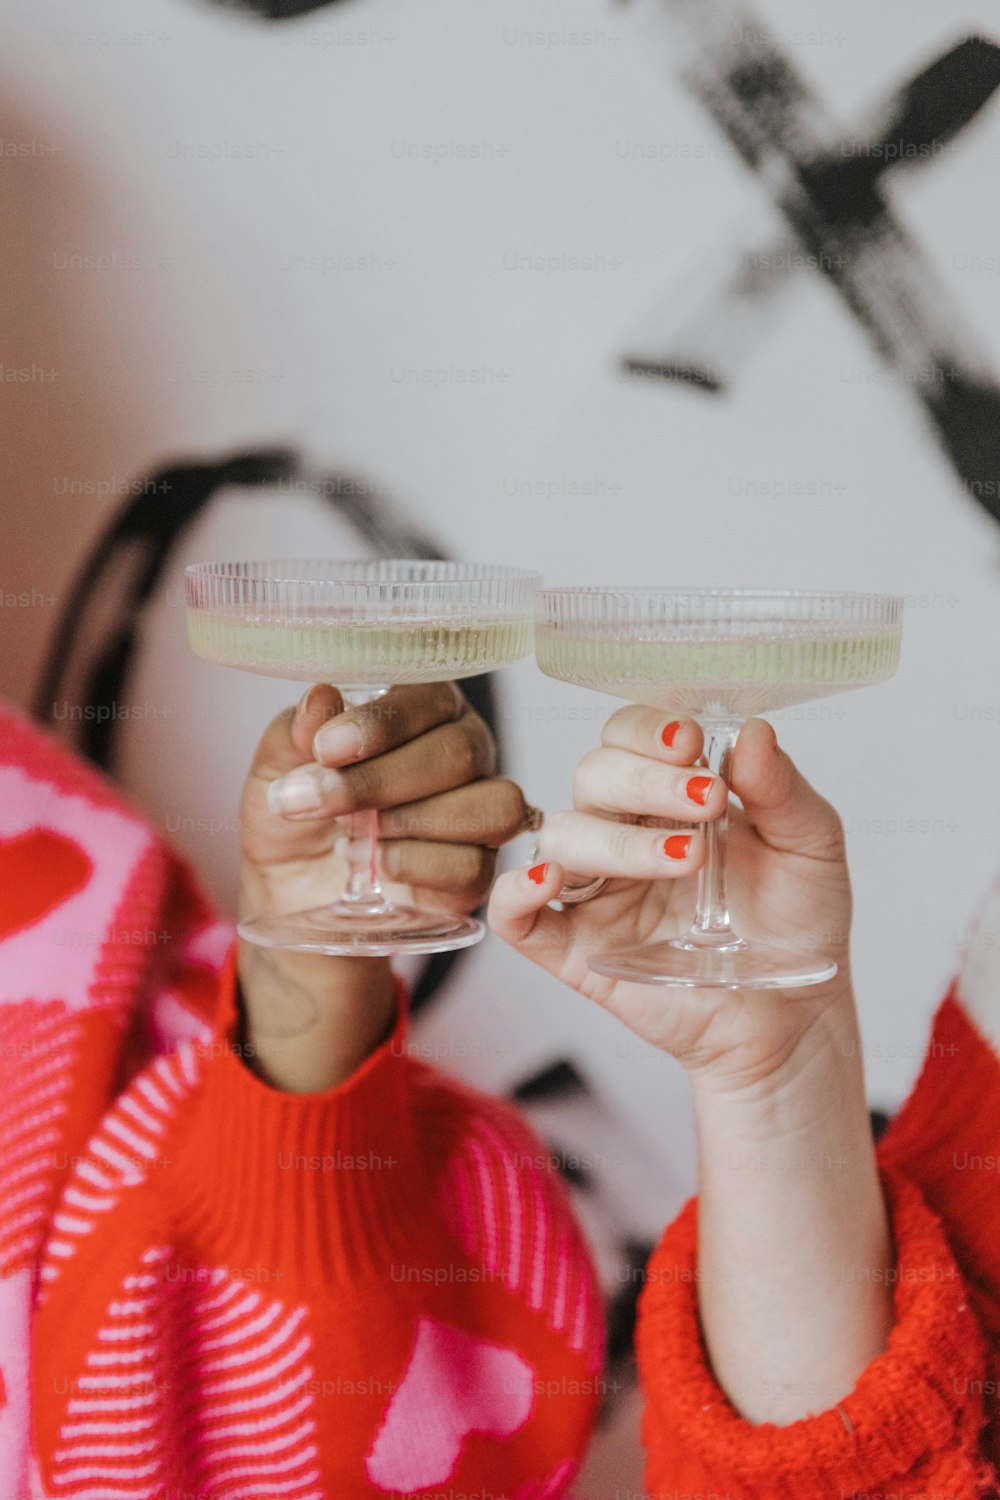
532, 820
572, 895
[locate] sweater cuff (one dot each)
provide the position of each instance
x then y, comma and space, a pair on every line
916, 1399
320, 1186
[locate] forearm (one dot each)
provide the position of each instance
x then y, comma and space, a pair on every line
794, 1244
310, 1021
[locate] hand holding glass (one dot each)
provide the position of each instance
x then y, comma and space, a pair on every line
719, 657
363, 626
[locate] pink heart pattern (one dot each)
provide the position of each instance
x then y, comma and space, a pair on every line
455, 1385
57, 956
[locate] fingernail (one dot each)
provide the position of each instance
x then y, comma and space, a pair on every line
698, 789
677, 845
537, 873
669, 732
339, 741
304, 790
302, 707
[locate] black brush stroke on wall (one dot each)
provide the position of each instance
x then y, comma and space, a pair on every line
137, 547
274, 10
836, 208
560, 1080
828, 190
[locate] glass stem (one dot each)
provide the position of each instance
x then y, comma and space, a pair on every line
362, 892
711, 926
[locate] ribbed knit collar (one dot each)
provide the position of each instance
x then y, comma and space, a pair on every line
331, 1184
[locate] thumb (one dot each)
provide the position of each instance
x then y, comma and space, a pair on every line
285, 745
786, 811
287, 740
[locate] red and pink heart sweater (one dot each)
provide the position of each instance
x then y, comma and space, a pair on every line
211, 1288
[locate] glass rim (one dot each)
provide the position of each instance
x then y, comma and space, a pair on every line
246, 570
664, 591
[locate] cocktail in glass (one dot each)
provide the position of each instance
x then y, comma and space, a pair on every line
717, 656
364, 627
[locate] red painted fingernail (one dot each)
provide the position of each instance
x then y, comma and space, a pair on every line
698, 789
677, 845
668, 733
537, 873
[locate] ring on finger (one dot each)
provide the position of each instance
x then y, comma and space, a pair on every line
532, 820
572, 895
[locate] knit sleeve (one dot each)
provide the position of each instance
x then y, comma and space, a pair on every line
910, 1426
946, 1138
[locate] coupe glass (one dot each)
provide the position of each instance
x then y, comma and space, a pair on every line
717, 656
363, 626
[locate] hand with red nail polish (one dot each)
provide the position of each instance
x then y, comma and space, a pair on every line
641, 801
776, 1076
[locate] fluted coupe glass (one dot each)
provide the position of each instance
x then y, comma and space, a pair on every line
363, 626
719, 657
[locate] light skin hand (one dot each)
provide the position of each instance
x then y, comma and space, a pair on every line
793, 1234
426, 761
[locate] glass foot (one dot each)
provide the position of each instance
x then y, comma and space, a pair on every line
337, 930
739, 965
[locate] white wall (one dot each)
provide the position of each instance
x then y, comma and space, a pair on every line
214, 275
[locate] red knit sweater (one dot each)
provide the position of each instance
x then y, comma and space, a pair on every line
229, 1291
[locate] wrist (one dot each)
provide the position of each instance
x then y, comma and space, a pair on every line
793, 1232
312, 1020
806, 1120
788, 1070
